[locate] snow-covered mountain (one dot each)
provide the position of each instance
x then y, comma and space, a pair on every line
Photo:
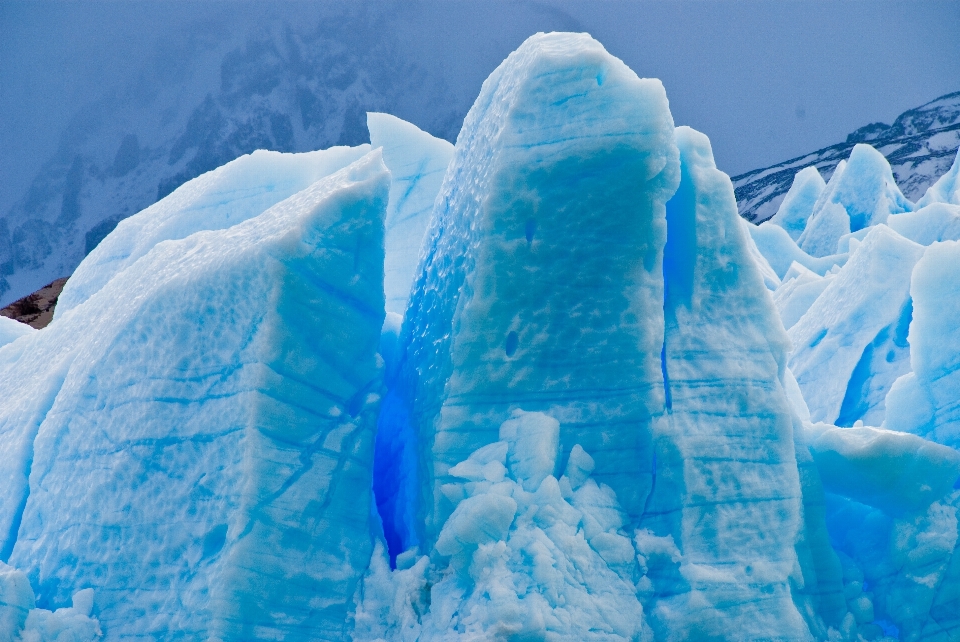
288, 86
920, 145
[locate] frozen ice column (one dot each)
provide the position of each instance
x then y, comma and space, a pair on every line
540, 286
205, 461
727, 486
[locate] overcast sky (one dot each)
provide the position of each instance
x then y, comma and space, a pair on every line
765, 80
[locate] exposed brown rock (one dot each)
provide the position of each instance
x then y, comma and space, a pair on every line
36, 310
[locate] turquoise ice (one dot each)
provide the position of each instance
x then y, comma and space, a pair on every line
544, 384
198, 449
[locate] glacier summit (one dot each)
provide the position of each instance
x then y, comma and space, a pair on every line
545, 384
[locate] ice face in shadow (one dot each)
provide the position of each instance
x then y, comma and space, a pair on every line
230, 194
199, 446
540, 285
417, 162
727, 489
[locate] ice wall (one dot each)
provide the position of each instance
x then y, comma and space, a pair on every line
727, 488
198, 447
540, 285
417, 162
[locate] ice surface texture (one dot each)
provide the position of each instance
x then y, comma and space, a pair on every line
727, 488
199, 445
541, 284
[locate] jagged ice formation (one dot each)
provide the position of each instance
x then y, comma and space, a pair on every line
544, 385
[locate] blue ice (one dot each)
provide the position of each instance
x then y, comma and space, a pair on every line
541, 385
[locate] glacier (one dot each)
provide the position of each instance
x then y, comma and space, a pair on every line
543, 384
234, 464
873, 353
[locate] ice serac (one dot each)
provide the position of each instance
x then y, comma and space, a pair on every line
851, 344
541, 284
780, 252
230, 194
799, 289
417, 162
799, 202
861, 193
946, 189
895, 471
727, 490
930, 224
204, 427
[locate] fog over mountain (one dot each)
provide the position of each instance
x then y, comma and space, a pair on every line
106, 107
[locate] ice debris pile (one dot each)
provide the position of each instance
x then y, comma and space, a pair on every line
543, 385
